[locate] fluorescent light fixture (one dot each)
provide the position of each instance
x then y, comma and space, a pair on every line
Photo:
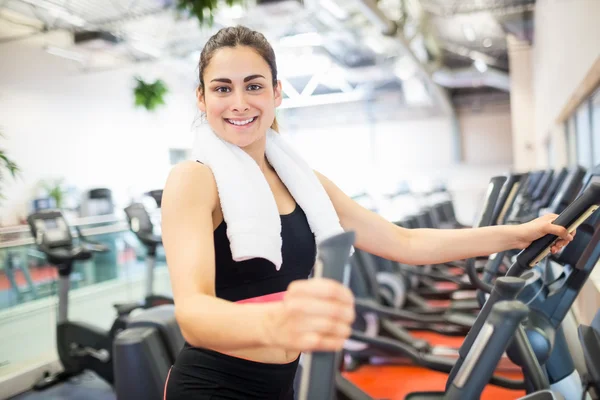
64, 53
235, 11
480, 65
302, 64
58, 12
309, 39
469, 32
146, 48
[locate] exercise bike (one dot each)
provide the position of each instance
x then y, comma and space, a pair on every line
80, 346
141, 225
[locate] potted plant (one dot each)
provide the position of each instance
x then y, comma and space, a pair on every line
149, 95
54, 189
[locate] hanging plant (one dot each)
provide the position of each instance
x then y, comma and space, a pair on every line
149, 95
6, 165
203, 10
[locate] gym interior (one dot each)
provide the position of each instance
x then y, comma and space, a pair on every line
441, 114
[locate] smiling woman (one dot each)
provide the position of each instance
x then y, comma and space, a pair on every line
238, 89
214, 293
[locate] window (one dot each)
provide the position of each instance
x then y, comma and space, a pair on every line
570, 140
178, 155
584, 135
550, 152
596, 127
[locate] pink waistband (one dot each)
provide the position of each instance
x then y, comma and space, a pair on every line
264, 299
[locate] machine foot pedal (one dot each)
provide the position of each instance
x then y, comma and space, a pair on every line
50, 380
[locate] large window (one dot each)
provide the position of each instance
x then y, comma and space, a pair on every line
583, 130
596, 127
550, 151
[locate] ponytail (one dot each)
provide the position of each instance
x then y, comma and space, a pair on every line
275, 125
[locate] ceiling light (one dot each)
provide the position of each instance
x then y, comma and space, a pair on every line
469, 32
236, 11
64, 53
480, 65
334, 9
58, 12
302, 40
487, 42
146, 48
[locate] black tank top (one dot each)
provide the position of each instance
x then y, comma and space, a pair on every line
243, 280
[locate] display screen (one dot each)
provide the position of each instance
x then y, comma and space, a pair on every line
50, 224
595, 179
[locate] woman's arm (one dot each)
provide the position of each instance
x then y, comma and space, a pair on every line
187, 229
376, 235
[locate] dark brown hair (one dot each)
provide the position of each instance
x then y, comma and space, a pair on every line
238, 36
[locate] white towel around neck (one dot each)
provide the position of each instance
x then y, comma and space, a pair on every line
249, 208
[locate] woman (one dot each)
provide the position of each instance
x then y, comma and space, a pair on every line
251, 350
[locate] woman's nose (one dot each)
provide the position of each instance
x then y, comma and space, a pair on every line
240, 104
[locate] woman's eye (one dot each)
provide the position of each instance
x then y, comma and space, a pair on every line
222, 89
254, 87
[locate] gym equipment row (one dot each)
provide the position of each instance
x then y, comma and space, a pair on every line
511, 321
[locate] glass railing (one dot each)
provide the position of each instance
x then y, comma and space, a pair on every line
25, 275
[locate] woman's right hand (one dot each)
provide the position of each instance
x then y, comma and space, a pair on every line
315, 315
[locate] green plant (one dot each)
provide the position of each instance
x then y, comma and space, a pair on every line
55, 190
203, 10
149, 95
6, 164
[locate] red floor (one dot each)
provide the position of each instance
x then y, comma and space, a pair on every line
396, 382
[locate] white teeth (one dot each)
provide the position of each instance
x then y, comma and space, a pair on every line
239, 123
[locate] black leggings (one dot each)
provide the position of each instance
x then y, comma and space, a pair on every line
201, 374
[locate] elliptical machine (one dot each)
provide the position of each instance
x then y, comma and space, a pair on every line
143, 228
80, 345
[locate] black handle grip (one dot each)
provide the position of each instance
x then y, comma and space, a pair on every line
483, 357
318, 368
491, 198
506, 198
505, 288
573, 216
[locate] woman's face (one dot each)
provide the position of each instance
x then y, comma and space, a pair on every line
239, 98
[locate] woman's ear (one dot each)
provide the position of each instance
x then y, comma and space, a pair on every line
200, 100
278, 94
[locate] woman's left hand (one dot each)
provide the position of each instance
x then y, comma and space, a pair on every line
533, 230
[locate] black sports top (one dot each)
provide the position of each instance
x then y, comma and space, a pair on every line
249, 279
200, 373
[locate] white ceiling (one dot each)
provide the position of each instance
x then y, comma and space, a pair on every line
331, 41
